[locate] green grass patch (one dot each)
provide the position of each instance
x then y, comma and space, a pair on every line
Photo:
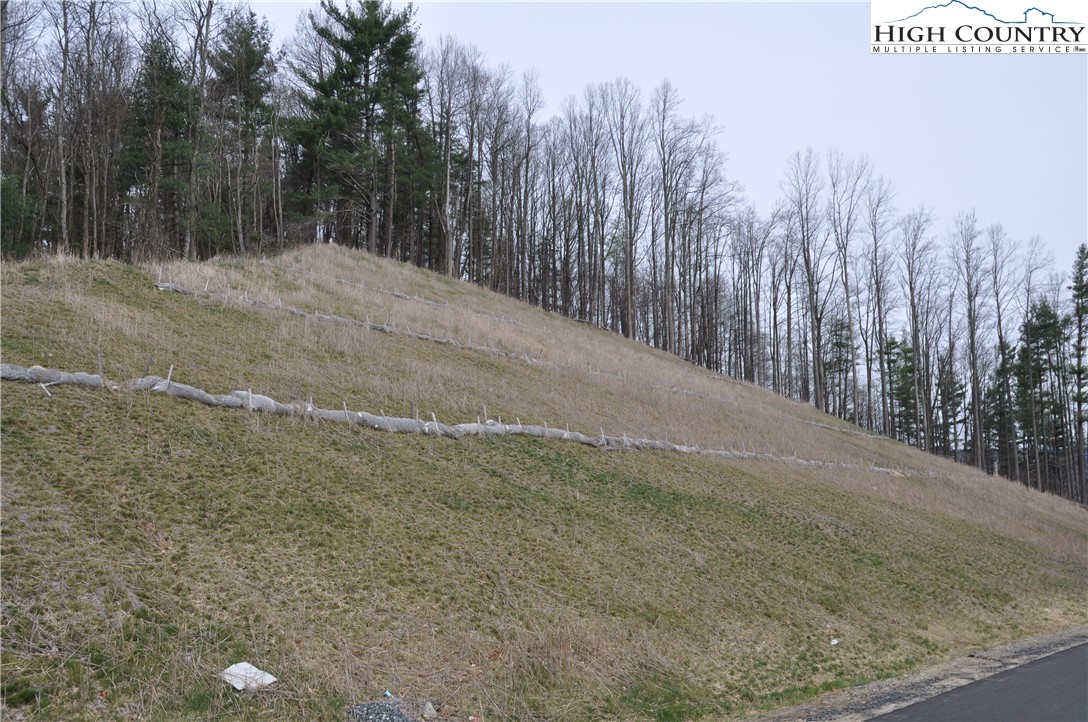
664, 698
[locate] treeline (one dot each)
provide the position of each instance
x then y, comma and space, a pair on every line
155, 130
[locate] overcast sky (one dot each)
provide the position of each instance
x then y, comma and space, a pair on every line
1005, 135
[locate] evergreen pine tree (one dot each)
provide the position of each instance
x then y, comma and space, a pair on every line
361, 114
243, 66
156, 156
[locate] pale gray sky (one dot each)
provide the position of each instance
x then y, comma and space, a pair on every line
1005, 135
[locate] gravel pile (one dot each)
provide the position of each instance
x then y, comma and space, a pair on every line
377, 712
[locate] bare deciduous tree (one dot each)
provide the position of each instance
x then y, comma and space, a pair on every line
627, 133
969, 260
803, 188
848, 182
879, 219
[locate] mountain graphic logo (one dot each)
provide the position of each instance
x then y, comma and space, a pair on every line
1030, 16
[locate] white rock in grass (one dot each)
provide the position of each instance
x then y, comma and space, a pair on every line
245, 676
429, 712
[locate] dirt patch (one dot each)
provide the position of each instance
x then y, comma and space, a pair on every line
878, 698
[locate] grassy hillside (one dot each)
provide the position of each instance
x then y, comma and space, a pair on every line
149, 542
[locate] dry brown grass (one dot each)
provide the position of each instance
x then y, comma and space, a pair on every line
512, 578
634, 390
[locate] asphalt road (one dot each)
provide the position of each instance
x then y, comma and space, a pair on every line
1051, 689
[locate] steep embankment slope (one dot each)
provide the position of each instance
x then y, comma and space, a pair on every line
149, 542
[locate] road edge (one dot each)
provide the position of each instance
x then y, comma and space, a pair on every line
867, 701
